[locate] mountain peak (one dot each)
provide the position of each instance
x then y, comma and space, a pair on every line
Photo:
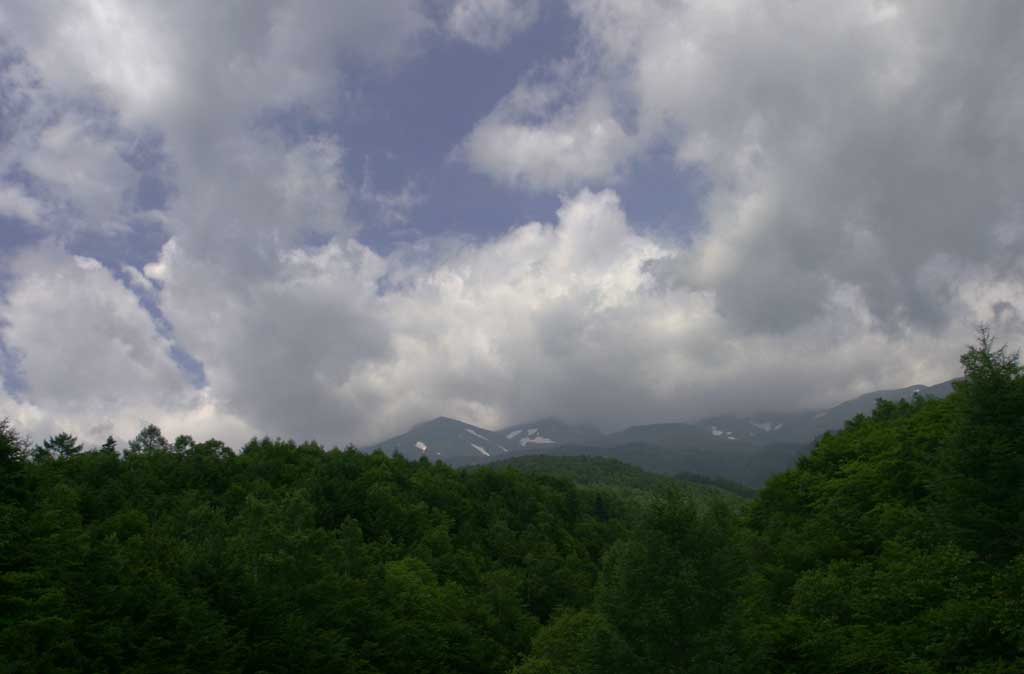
440, 421
448, 439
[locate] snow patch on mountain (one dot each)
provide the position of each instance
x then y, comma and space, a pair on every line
472, 432
537, 440
718, 432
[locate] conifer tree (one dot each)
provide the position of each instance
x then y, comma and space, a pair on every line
62, 446
149, 440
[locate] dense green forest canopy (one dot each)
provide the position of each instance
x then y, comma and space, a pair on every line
605, 472
897, 545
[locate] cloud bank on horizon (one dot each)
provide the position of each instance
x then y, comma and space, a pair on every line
190, 238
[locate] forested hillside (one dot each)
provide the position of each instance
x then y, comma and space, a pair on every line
599, 471
897, 545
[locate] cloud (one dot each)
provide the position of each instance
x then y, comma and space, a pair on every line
578, 142
342, 344
167, 63
861, 213
868, 146
83, 168
15, 203
491, 24
61, 169
278, 346
138, 280
88, 80
90, 356
350, 344
83, 83
392, 208
76, 327
564, 318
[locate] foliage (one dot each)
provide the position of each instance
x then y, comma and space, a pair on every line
60, 446
189, 557
579, 642
722, 483
598, 471
897, 545
13, 452
893, 545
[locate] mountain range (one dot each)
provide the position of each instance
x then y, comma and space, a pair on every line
744, 449
804, 427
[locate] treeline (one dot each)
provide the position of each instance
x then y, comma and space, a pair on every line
175, 557
897, 545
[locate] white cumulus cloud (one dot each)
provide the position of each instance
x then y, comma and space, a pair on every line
90, 356
578, 142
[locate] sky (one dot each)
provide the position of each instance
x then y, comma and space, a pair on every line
333, 220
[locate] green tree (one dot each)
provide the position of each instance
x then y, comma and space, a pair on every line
982, 489
13, 453
148, 441
668, 588
109, 445
579, 642
885, 549
62, 446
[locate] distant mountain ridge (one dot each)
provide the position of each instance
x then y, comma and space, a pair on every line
805, 427
746, 450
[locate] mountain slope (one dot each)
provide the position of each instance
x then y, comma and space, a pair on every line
550, 431
750, 467
805, 427
676, 436
449, 440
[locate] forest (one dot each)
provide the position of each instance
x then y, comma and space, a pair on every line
895, 545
